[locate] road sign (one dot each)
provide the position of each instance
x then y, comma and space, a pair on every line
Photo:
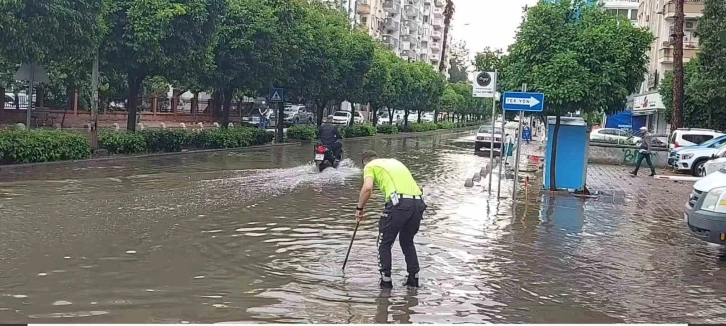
28, 72
523, 101
485, 84
276, 94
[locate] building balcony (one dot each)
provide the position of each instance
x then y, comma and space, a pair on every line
390, 42
412, 11
410, 54
438, 12
437, 35
392, 6
438, 23
391, 24
665, 53
427, 2
691, 9
363, 8
440, 3
436, 46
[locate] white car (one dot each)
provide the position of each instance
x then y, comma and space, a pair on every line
716, 162
691, 136
342, 117
359, 118
705, 210
693, 159
485, 138
613, 135
427, 117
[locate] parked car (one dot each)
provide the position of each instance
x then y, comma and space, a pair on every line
705, 211
485, 138
359, 118
713, 143
427, 117
716, 162
342, 117
691, 136
299, 114
613, 135
692, 159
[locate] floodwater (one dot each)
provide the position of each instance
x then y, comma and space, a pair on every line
258, 236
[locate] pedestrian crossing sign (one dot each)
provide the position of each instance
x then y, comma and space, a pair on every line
276, 94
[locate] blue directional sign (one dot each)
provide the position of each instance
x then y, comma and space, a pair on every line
276, 94
523, 101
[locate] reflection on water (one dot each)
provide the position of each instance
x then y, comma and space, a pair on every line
260, 236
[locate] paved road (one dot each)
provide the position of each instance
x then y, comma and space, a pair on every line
258, 236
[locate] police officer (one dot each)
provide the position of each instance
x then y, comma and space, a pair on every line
404, 207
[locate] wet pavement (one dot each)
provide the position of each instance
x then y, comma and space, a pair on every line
258, 236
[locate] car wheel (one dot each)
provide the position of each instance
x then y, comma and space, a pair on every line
477, 147
699, 169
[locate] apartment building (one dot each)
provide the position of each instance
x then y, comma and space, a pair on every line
413, 29
657, 15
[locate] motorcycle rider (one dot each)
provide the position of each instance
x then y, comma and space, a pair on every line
328, 134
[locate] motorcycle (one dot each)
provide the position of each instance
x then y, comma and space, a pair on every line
324, 157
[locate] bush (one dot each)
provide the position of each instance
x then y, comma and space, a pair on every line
166, 140
446, 124
122, 142
387, 129
302, 132
31, 146
361, 130
420, 127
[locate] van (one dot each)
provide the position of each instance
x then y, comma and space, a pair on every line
705, 210
691, 136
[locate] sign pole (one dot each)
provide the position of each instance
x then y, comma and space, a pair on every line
502, 155
519, 143
494, 123
30, 96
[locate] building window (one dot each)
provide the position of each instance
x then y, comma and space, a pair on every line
623, 12
633, 14
364, 19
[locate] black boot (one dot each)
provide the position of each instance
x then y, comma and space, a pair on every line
386, 282
652, 173
412, 280
634, 173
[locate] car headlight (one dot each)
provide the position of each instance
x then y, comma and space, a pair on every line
686, 156
715, 201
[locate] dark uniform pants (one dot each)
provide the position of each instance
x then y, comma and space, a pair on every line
402, 220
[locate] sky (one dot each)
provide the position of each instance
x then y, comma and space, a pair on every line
483, 23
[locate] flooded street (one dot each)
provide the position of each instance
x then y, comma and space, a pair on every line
259, 236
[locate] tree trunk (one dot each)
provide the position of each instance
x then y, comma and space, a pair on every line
133, 99
374, 111
2, 101
678, 92
419, 115
405, 118
280, 122
195, 103
553, 160
227, 104
217, 99
39, 93
319, 112
436, 116
448, 14
390, 116
352, 114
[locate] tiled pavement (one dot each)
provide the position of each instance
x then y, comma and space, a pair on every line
636, 195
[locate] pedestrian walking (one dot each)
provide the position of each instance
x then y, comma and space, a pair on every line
644, 151
402, 213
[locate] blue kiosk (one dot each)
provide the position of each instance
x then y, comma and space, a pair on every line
572, 147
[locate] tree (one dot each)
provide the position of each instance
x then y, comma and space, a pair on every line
580, 57
448, 16
459, 63
247, 55
158, 37
47, 33
377, 81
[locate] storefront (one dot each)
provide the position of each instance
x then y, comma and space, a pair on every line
648, 110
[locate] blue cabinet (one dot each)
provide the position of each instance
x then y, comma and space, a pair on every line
571, 160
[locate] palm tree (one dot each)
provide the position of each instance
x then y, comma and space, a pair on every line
448, 14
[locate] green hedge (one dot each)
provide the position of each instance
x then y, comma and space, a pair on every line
445, 125
360, 130
420, 127
302, 132
387, 129
165, 140
38, 145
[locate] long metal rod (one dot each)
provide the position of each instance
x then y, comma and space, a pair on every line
502, 155
357, 224
519, 143
494, 125
31, 103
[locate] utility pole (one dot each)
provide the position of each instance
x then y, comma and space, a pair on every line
677, 41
